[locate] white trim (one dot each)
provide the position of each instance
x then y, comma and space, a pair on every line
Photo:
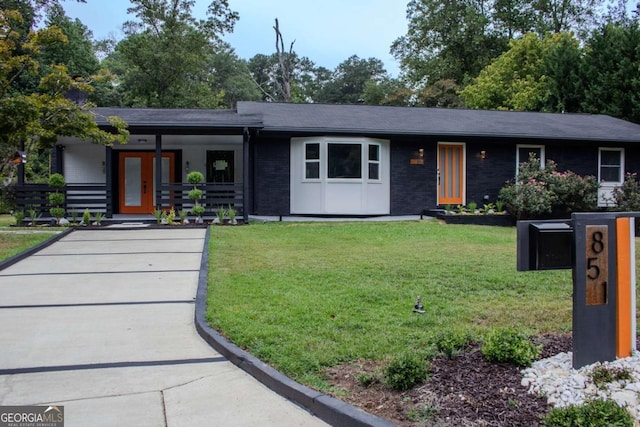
464, 170
605, 192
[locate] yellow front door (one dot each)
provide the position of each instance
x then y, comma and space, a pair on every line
451, 174
137, 184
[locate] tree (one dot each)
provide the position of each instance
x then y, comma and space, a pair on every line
533, 75
386, 91
612, 72
443, 93
33, 119
232, 77
555, 16
348, 81
167, 50
447, 40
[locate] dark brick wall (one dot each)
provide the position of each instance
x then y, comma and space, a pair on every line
413, 187
271, 163
485, 177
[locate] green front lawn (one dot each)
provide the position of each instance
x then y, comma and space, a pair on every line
304, 296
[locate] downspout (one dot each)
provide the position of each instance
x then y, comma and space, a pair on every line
246, 137
158, 178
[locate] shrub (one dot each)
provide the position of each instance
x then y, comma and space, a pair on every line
198, 210
404, 372
195, 177
19, 217
367, 380
452, 342
511, 346
541, 191
195, 194
86, 217
603, 375
595, 413
56, 199
57, 181
627, 196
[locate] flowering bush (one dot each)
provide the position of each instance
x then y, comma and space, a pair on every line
627, 196
540, 191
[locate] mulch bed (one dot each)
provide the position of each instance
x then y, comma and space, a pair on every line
463, 391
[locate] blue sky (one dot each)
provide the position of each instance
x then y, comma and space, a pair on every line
325, 31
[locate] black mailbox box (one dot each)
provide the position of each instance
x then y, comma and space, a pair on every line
550, 246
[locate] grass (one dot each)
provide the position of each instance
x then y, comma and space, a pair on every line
302, 297
15, 240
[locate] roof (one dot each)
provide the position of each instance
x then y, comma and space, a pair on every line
378, 120
178, 118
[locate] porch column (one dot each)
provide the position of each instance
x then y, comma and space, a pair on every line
158, 176
246, 137
108, 181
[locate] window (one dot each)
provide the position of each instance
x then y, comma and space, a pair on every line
611, 161
374, 162
344, 161
312, 161
523, 153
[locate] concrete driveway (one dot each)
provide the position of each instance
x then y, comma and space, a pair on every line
102, 322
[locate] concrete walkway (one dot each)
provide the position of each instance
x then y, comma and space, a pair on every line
102, 322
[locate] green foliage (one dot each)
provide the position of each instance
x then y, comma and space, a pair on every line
158, 214
537, 192
509, 345
366, 379
472, 206
34, 215
425, 413
98, 218
198, 210
182, 214
232, 214
57, 213
195, 194
56, 180
56, 199
627, 196
195, 177
221, 213
350, 79
86, 217
452, 341
19, 217
596, 413
603, 375
405, 371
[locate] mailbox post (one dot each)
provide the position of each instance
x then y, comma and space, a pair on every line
600, 250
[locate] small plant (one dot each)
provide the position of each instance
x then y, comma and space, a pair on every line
56, 199
366, 380
404, 372
448, 208
500, 206
461, 209
158, 214
182, 214
509, 345
19, 217
472, 207
98, 218
194, 178
595, 413
170, 216
489, 209
86, 217
34, 215
603, 375
452, 342
425, 413
232, 215
221, 213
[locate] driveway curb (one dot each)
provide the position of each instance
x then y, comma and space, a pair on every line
22, 255
329, 409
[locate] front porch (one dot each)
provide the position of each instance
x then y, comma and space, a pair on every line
98, 199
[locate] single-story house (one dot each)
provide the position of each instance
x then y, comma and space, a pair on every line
344, 160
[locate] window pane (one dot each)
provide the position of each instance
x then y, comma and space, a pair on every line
374, 169
374, 152
312, 170
610, 158
345, 161
312, 151
610, 174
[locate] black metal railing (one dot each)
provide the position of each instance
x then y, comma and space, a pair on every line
98, 198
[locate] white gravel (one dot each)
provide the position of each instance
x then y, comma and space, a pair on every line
562, 385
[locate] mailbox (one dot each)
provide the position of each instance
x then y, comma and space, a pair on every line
550, 245
545, 245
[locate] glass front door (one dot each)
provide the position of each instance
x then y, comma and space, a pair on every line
137, 184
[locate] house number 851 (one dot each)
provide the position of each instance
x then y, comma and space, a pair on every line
597, 264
